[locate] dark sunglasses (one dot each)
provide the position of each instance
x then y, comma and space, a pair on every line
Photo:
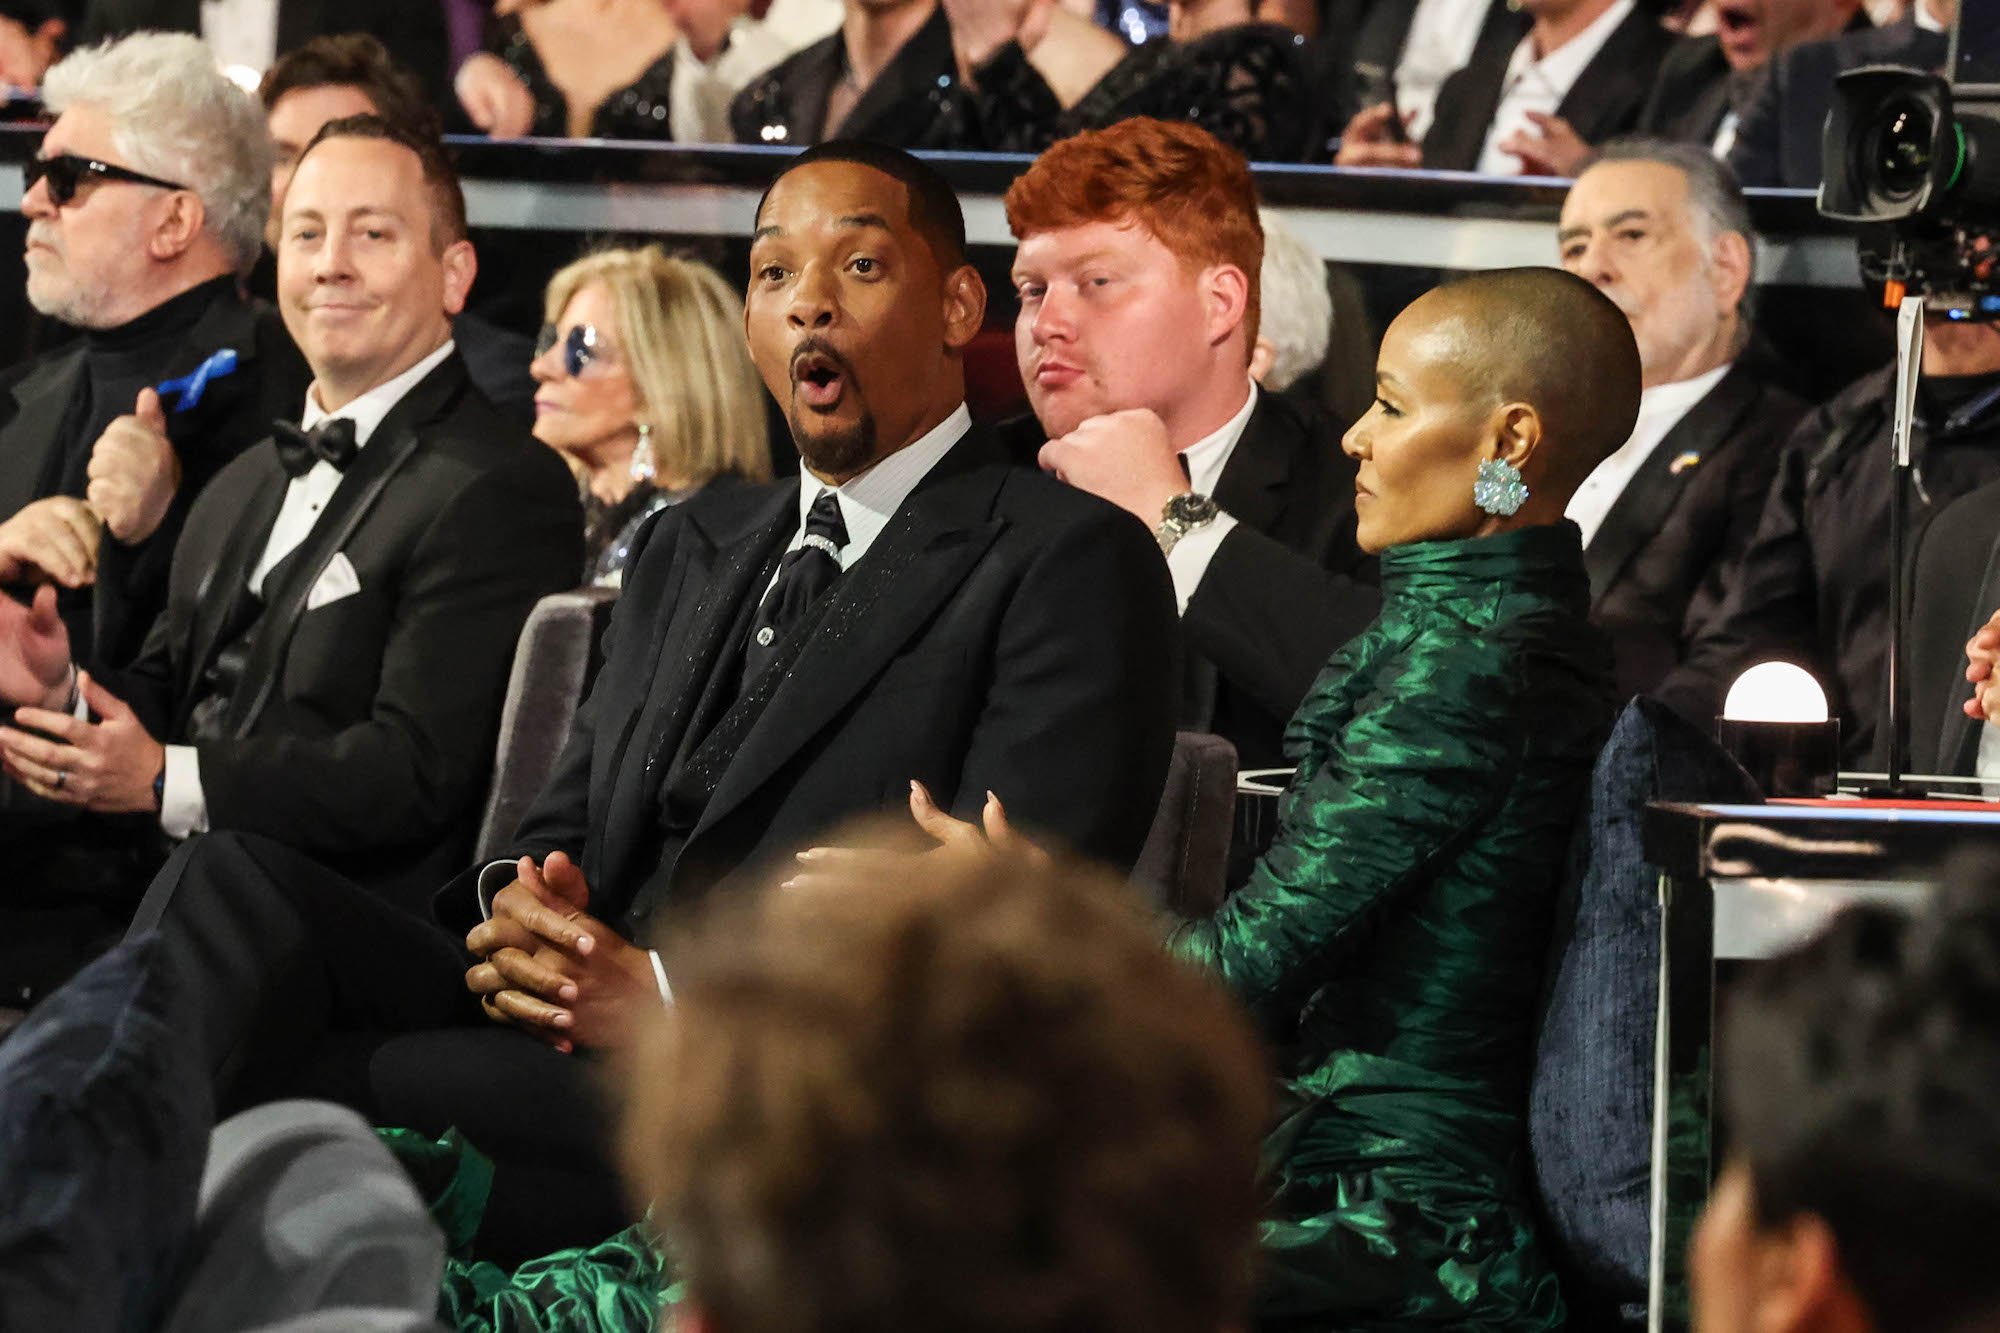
66, 173
583, 347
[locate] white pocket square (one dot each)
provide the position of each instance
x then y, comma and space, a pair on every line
336, 581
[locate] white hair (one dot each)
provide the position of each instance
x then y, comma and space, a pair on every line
1298, 309
174, 115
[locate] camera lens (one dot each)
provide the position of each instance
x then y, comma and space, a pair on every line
1899, 150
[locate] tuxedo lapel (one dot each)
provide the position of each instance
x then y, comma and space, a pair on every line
1252, 486
362, 485
1467, 101
690, 665
228, 575
33, 432
879, 605
1641, 509
1612, 86
917, 64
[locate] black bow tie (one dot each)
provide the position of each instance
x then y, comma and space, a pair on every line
331, 441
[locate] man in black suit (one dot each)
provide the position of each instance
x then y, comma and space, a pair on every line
1704, 82
913, 608
1954, 590
100, 453
1662, 229
343, 603
874, 79
414, 33
1134, 339
1779, 141
1541, 86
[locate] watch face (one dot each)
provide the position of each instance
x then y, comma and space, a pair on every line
1190, 509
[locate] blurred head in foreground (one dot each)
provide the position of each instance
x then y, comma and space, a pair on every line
1861, 1086
948, 1098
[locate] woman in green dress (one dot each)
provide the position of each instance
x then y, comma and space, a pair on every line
1392, 941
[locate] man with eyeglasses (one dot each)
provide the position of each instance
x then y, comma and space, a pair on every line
343, 602
144, 201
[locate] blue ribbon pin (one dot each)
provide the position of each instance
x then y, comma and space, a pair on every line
191, 385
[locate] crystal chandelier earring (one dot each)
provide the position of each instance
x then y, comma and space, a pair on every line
1498, 488
643, 470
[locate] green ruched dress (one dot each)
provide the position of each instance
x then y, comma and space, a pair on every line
1391, 943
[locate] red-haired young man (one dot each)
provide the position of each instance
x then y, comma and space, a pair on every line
1137, 274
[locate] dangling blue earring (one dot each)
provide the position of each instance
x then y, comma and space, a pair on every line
1499, 488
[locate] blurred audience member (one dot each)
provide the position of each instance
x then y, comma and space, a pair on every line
1859, 1079
1704, 82
351, 75
1663, 230
1375, 51
1954, 687
146, 198
248, 36
890, 73
1778, 139
1295, 314
1577, 75
32, 34
1813, 586
1138, 274
1244, 81
646, 390
344, 600
942, 1071
581, 69
723, 46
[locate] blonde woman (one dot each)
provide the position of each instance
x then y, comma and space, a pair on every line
643, 384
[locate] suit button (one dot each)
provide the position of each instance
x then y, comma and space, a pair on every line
764, 636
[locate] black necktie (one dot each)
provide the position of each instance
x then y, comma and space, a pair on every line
331, 441
802, 576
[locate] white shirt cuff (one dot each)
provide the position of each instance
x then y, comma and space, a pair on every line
660, 978
493, 877
183, 808
1190, 558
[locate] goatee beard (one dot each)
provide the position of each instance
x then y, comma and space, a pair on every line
837, 452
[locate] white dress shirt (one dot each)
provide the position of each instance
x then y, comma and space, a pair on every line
1441, 37
243, 34
1534, 84
1206, 458
183, 807
1660, 410
699, 94
867, 503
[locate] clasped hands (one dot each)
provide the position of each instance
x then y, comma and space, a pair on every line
107, 764
133, 476
550, 968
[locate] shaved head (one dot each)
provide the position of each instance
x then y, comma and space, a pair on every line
1549, 339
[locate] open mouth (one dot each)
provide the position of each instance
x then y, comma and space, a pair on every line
819, 380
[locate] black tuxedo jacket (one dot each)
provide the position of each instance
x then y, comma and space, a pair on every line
1691, 93
414, 33
1604, 101
1659, 563
1779, 140
108, 622
1005, 632
786, 105
1955, 588
363, 730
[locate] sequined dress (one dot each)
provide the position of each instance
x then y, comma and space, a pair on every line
1391, 943
639, 110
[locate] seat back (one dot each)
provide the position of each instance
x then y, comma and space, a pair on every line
1590, 1098
1185, 863
554, 660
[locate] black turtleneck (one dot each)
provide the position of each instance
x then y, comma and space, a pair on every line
118, 362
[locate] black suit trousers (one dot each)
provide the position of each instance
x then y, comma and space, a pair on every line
294, 981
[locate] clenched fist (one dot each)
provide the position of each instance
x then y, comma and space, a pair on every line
134, 471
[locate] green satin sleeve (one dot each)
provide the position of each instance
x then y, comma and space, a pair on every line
1407, 744
619, 1285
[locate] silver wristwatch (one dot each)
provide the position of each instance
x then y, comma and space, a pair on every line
1182, 515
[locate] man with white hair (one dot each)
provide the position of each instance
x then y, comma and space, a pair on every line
1662, 229
145, 201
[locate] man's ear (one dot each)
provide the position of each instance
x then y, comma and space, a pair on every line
1730, 262
1801, 1284
461, 266
1515, 432
964, 306
1226, 295
179, 226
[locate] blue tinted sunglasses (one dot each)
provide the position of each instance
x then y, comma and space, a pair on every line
582, 347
